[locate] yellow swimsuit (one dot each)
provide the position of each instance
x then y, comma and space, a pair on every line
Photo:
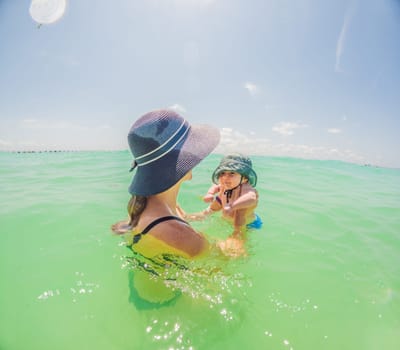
146, 284
150, 246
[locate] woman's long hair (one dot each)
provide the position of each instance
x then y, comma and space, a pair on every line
136, 206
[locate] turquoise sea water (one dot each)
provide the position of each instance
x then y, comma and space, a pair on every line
322, 273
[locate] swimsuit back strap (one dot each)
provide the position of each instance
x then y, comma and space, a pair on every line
159, 220
138, 236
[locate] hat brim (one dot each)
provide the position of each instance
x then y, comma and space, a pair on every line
160, 175
249, 173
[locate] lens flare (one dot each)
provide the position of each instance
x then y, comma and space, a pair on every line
47, 11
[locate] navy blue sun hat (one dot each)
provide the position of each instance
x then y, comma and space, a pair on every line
238, 163
165, 147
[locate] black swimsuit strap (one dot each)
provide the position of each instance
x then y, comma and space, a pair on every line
159, 220
138, 236
228, 193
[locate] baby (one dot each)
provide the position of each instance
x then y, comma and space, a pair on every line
234, 193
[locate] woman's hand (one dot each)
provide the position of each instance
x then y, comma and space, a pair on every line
208, 198
233, 247
121, 227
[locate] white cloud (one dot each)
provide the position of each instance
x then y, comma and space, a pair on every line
252, 88
339, 46
58, 125
342, 37
39, 135
104, 126
234, 141
287, 128
178, 108
20, 145
46, 125
334, 131
4, 144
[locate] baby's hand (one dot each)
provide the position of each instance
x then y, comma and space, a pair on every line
208, 198
228, 209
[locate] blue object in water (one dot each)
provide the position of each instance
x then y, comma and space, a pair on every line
257, 223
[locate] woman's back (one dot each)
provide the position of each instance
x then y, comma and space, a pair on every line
168, 235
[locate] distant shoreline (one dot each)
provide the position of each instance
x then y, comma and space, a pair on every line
217, 153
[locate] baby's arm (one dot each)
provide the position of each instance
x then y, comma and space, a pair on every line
241, 207
210, 193
248, 199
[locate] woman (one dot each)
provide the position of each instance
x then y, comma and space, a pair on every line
165, 148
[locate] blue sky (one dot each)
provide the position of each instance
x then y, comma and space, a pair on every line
311, 79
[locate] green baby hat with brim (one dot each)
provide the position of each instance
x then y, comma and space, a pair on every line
238, 163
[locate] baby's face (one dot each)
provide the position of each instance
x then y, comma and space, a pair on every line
229, 179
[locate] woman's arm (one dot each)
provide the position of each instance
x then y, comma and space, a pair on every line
200, 215
212, 208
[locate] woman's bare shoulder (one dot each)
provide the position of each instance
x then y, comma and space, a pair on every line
181, 236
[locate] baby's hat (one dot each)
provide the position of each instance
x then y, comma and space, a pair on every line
238, 163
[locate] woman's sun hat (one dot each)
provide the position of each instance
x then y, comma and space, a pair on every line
238, 163
165, 147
